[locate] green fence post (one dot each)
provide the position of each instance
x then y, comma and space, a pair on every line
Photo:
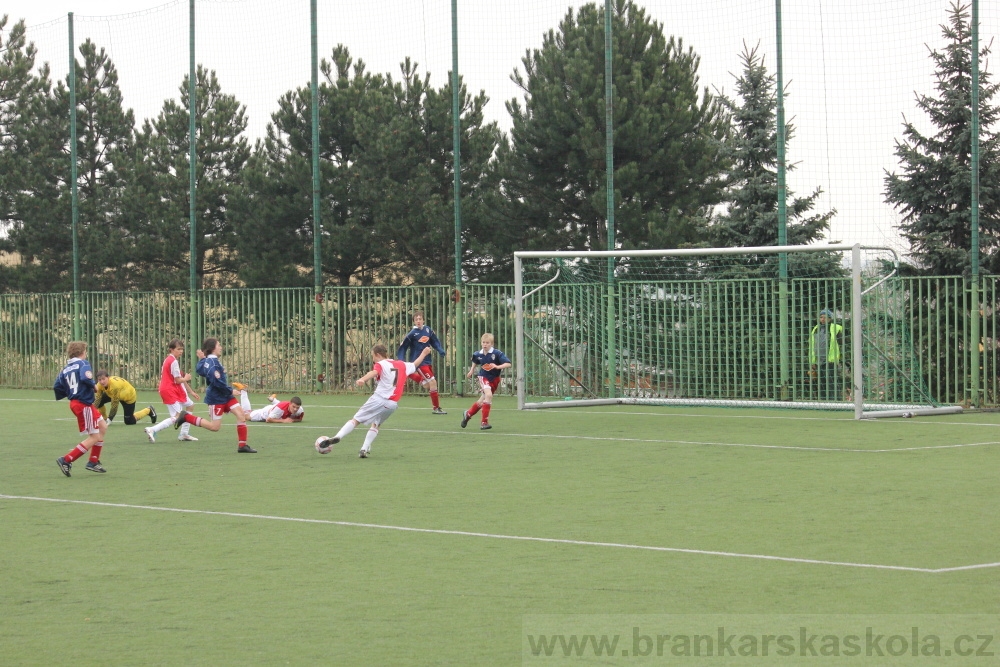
456, 123
782, 215
192, 189
609, 167
974, 205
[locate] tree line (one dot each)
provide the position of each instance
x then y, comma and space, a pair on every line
693, 168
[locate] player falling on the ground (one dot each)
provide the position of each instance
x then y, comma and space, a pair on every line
220, 397
390, 381
420, 338
119, 391
76, 382
175, 392
491, 362
278, 412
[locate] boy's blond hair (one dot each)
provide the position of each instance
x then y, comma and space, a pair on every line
75, 349
490, 337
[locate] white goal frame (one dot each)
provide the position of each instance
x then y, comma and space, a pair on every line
858, 405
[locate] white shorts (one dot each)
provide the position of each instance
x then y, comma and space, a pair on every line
375, 410
174, 408
259, 415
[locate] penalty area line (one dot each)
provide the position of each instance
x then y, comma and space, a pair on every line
521, 538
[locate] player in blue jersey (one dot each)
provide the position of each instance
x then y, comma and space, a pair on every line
76, 382
420, 338
220, 397
491, 362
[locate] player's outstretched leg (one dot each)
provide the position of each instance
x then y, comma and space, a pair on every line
369, 439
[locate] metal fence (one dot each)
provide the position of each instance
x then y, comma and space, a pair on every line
269, 340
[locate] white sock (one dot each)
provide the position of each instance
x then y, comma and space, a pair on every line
159, 426
245, 401
369, 439
344, 430
185, 429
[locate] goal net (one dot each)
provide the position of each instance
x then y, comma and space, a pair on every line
821, 327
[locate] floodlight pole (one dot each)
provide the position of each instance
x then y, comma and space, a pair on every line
782, 217
456, 133
317, 226
74, 195
974, 206
609, 166
193, 187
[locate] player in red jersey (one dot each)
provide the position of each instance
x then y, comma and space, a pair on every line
277, 412
175, 391
390, 381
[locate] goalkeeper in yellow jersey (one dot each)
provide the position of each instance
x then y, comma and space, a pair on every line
115, 390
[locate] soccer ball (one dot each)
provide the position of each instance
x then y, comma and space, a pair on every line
323, 445
907, 415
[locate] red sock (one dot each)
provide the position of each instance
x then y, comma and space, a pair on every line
486, 413
75, 453
435, 400
473, 410
191, 419
95, 452
241, 434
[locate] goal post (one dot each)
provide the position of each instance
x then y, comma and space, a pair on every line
717, 327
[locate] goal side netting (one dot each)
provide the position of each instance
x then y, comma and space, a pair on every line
819, 327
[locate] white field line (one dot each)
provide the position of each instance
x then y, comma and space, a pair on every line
522, 538
258, 425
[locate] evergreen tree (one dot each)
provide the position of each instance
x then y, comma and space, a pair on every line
751, 216
668, 166
159, 198
409, 167
34, 132
933, 189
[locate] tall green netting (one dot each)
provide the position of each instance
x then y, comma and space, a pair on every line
705, 329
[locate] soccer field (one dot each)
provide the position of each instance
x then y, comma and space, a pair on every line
452, 546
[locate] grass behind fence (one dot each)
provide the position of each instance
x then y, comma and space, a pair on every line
125, 584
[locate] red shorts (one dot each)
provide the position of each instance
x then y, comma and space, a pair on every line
423, 374
488, 382
221, 409
87, 417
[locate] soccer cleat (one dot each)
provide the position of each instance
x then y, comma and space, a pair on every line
363, 454
272, 397
152, 415
465, 420
485, 427
246, 449
64, 466
239, 386
184, 437
438, 411
150, 434
95, 466
179, 419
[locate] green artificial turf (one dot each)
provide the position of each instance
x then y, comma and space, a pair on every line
122, 583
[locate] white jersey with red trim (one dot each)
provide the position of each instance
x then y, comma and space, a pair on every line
390, 378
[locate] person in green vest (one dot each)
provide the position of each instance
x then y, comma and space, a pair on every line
824, 355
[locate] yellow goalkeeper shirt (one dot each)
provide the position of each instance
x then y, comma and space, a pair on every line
119, 390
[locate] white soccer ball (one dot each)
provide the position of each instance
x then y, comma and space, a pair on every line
907, 415
323, 444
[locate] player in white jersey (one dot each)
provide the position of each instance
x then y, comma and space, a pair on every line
390, 381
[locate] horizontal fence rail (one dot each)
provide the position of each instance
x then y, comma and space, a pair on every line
674, 339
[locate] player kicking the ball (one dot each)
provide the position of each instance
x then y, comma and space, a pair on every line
390, 381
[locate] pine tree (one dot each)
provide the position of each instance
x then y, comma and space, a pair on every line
33, 170
751, 216
933, 191
160, 196
668, 167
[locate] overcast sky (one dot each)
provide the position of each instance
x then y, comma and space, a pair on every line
851, 67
